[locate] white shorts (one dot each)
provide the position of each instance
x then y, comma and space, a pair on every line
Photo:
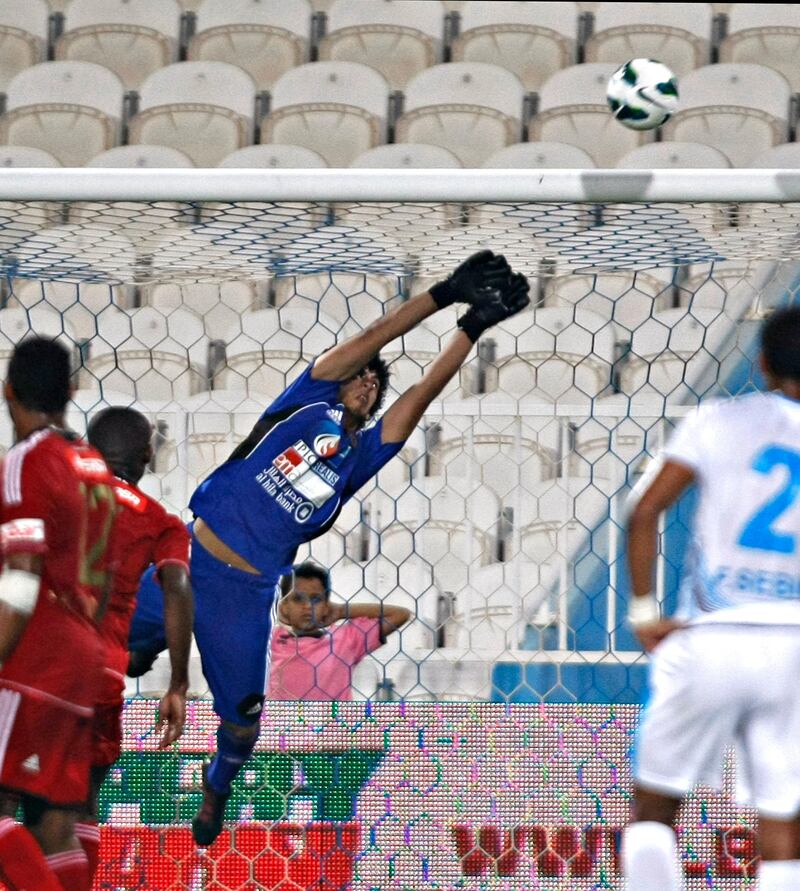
715, 686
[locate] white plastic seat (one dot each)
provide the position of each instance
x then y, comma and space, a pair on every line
676, 34
74, 254
664, 155
70, 109
353, 296
541, 155
153, 357
17, 323
625, 297
766, 34
181, 101
399, 38
273, 156
779, 156
131, 39
407, 154
218, 420
218, 303
533, 40
141, 156
563, 355
670, 350
21, 218
710, 285
337, 109
471, 108
573, 109
741, 110
23, 37
268, 348
264, 39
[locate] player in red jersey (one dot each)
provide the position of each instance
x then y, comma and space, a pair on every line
56, 520
147, 534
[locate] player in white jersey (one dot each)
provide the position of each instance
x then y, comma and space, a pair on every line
725, 669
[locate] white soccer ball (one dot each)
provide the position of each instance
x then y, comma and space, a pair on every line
642, 94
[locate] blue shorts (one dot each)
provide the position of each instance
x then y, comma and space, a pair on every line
233, 618
147, 626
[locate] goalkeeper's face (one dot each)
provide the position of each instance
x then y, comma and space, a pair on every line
359, 395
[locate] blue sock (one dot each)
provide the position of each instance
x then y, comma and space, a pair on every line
232, 752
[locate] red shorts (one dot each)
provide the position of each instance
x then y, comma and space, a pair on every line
107, 723
48, 687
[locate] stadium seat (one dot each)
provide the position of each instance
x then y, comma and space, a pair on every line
669, 353
399, 39
24, 156
141, 156
540, 155
609, 446
664, 155
713, 285
359, 297
273, 156
407, 154
131, 39
740, 109
625, 297
153, 357
70, 109
677, 34
766, 34
218, 303
471, 108
21, 218
23, 37
216, 422
560, 354
534, 40
17, 322
183, 100
573, 109
268, 348
264, 39
337, 109
779, 156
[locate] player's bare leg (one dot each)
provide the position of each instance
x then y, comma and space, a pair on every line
779, 846
650, 860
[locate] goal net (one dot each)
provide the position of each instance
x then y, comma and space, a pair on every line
489, 740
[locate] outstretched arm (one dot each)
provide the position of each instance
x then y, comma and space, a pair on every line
404, 415
178, 618
469, 283
346, 359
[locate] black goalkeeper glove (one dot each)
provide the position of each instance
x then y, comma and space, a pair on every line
472, 280
505, 301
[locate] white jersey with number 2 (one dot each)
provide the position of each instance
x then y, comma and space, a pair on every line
744, 560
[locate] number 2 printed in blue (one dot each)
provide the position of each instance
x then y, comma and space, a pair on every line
758, 532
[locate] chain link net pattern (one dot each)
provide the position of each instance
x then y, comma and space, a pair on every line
498, 525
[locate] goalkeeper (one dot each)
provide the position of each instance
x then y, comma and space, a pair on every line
285, 484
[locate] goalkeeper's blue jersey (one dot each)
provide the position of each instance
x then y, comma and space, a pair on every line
286, 483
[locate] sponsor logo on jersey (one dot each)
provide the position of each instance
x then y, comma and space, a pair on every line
311, 478
31, 764
28, 531
326, 445
336, 415
130, 498
90, 467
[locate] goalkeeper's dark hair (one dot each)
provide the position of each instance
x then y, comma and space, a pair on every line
122, 436
306, 570
381, 370
39, 373
780, 343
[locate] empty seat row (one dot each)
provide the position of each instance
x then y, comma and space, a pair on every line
73, 110
399, 38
